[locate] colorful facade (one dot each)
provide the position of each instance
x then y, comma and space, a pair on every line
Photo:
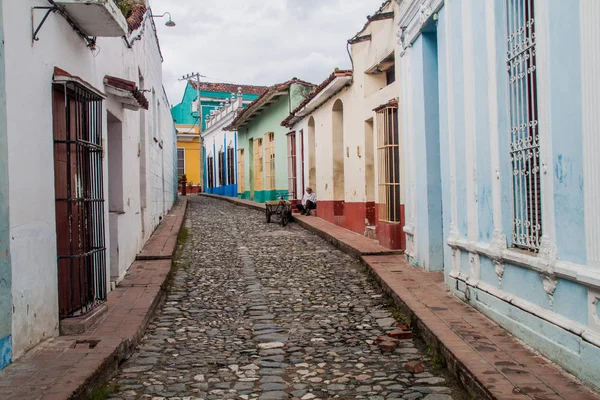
499, 117
221, 149
262, 141
185, 115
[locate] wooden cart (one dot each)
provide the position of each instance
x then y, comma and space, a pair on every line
282, 208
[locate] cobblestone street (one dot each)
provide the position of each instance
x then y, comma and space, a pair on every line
260, 311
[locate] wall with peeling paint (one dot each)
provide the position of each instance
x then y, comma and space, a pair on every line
147, 149
550, 299
5, 265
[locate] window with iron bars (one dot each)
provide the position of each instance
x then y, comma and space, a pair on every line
210, 170
524, 141
79, 191
221, 161
180, 161
230, 166
292, 168
389, 164
270, 156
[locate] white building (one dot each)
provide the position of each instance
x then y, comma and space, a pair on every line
87, 158
346, 137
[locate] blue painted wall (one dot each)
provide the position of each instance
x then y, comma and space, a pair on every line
5, 264
482, 124
427, 141
222, 188
567, 136
569, 299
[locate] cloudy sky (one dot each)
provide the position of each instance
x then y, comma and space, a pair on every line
258, 42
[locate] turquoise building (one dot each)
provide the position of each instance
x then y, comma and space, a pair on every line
212, 95
185, 114
499, 110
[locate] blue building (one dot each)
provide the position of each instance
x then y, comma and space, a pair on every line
499, 117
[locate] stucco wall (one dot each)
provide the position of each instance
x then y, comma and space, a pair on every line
547, 299
32, 213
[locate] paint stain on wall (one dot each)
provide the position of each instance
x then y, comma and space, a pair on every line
563, 170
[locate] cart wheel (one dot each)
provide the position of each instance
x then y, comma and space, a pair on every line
268, 214
284, 218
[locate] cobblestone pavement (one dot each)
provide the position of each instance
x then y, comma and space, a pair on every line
258, 311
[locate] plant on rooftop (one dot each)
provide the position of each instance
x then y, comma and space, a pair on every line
127, 6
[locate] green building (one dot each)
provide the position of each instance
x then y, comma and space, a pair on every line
262, 141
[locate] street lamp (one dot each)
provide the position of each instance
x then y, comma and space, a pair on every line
169, 23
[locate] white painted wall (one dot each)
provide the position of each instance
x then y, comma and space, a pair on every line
365, 94
29, 72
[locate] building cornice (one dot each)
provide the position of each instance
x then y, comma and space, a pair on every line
412, 17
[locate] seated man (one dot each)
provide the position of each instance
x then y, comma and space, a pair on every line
309, 202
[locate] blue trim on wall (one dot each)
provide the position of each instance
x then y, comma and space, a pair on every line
444, 142
567, 130
5, 351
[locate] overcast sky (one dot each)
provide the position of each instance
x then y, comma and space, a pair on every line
257, 42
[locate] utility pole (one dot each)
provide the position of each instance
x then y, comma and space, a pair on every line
199, 108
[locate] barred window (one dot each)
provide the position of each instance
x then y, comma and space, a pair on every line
241, 176
258, 164
389, 164
180, 161
210, 167
292, 169
221, 161
230, 166
524, 141
270, 157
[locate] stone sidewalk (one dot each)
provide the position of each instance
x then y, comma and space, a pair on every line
71, 366
489, 362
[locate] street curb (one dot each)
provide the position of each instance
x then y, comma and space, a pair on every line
456, 368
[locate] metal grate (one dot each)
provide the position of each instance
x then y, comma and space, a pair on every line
389, 164
292, 169
524, 144
221, 161
78, 153
210, 167
230, 166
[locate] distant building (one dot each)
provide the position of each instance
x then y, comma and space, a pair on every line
185, 115
263, 142
221, 147
87, 157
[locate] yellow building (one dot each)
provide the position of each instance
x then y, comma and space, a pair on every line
188, 153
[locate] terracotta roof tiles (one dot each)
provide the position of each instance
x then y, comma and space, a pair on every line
271, 90
314, 93
229, 87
